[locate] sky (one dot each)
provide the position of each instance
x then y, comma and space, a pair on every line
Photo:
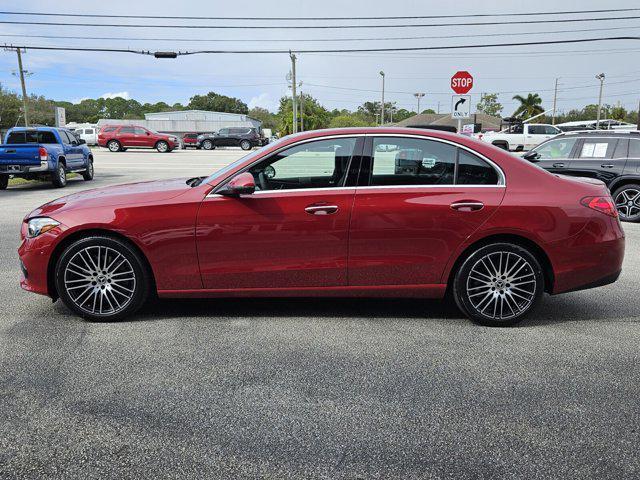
337, 80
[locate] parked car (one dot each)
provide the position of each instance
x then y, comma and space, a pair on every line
88, 134
610, 156
520, 136
323, 213
190, 140
43, 153
117, 138
243, 137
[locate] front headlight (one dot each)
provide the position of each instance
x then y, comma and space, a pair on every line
40, 225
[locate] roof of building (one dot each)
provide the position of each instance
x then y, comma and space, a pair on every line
487, 121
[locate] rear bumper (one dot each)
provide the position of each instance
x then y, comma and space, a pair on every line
20, 169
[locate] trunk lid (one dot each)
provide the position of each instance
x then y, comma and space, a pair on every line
20, 154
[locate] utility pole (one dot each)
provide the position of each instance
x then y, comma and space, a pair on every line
638, 115
555, 100
301, 108
438, 108
418, 96
601, 78
24, 87
293, 92
382, 106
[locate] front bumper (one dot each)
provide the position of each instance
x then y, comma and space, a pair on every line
35, 254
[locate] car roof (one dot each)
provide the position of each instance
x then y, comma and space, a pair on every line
601, 133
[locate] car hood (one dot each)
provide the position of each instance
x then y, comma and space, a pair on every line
129, 194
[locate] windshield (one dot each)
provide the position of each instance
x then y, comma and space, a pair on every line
232, 166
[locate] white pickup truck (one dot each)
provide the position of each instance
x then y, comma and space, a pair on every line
520, 137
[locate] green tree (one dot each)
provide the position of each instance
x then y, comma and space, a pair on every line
402, 114
350, 120
315, 115
10, 108
490, 105
428, 111
268, 119
214, 102
530, 105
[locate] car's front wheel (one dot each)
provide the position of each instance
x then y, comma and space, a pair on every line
627, 200
245, 145
498, 284
101, 278
162, 147
208, 145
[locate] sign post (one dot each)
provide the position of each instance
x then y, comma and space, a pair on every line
461, 83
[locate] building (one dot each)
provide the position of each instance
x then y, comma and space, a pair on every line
487, 122
183, 121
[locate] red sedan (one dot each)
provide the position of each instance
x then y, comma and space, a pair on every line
379, 212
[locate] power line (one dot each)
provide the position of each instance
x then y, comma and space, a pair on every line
341, 50
290, 40
314, 27
199, 17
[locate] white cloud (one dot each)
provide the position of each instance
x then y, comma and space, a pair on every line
263, 100
124, 95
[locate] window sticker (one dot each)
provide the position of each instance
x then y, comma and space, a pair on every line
595, 150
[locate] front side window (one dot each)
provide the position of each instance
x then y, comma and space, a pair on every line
412, 161
139, 131
223, 131
557, 148
89, 131
551, 130
66, 138
317, 164
537, 130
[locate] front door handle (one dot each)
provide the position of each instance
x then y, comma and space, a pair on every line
321, 209
467, 206
558, 165
606, 165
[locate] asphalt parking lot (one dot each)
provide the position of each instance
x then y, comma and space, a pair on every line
311, 388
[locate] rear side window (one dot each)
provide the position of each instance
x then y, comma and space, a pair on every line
412, 161
634, 148
127, 130
109, 129
31, 137
598, 148
472, 170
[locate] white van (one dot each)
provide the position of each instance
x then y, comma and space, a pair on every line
88, 134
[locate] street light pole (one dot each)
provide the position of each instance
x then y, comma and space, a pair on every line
418, 96
600, 77
555, 99
382, 107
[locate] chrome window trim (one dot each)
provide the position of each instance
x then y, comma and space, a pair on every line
501, 176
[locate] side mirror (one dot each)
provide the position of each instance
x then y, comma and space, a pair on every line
243, 184
531, 156
82, 142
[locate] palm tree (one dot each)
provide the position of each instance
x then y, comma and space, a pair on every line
529, 106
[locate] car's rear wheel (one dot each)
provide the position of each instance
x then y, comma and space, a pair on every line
208, 145
114, 146
101, 278
59, 177
162, 147
245, 145
627, 200
4, 182
498, 284
88, 173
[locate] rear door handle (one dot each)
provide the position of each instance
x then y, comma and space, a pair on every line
470, 206
321, 209
606, 165
558, 165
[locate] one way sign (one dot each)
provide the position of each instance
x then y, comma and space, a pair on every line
460, 106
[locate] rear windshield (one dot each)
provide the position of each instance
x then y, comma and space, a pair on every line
31, 137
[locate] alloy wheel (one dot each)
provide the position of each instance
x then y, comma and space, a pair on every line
501, 285
628, 203
99, 280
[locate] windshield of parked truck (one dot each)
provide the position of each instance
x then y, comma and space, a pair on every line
31, 136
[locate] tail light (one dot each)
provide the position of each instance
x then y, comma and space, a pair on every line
44, 156
602, 204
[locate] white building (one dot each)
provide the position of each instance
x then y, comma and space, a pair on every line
184, 121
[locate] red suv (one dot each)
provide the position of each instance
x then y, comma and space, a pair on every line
117, 138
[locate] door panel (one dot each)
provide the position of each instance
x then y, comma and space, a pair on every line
270, 239
406, 236
600, 158
556, 155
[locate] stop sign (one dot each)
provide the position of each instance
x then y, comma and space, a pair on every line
461, 82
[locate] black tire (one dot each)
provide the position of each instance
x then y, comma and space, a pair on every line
88, 173
627, 200
162, 147
4, 182
59, 176
483, 292
102, 286
114, 146
122, 149
208, 144
245, 145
